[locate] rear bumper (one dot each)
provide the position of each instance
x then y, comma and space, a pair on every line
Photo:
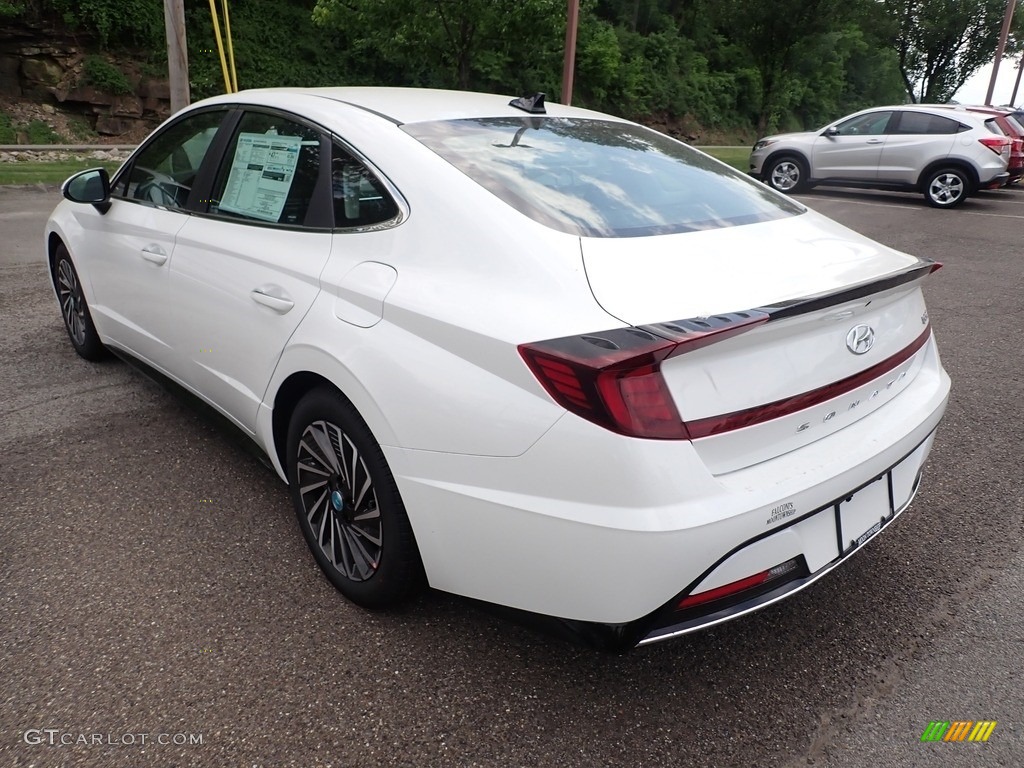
603, 532
889, 494
999, 180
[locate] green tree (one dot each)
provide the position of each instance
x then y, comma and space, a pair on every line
455, 43
941, 43
777, 37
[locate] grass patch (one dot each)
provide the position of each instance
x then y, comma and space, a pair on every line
47, 173
39, 132
737, 158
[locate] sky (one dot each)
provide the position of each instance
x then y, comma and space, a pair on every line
974, 90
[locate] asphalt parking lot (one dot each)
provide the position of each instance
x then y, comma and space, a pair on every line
157, 601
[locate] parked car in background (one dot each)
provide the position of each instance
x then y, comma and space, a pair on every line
532, 355
945, 157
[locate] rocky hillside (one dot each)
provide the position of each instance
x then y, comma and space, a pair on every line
49, 79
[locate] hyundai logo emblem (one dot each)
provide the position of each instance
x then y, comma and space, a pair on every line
860, 339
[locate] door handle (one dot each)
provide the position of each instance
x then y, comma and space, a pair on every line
276, 303
154, 253
874, 141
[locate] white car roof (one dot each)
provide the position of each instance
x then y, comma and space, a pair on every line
403, 105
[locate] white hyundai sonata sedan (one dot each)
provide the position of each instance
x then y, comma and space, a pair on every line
533, 355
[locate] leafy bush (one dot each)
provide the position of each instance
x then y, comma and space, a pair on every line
8, 135
11, 8
39, 132
102, 74
115, 22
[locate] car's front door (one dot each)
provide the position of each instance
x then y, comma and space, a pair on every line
851, 149
246, 271
131, 245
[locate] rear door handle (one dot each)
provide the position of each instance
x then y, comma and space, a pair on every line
276, 303
154, 253
874, 141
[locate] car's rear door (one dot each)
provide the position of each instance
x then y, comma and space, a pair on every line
851, 149
915, 140
246, 270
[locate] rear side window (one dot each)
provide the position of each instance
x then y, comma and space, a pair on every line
600, 178
1015, 124
271, 174
920, 123
164, 171
360, 199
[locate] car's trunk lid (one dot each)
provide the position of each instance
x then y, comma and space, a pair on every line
808, 294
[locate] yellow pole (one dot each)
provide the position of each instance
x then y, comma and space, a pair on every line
220, 48
231, 47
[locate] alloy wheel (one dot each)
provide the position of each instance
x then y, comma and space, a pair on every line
786, 175
72, 304
339, 501
946, 188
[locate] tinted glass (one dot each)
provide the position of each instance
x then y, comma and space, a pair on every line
871, 124
1015, 124
164, 171
600, 178
921, 123
360, 199
270, 173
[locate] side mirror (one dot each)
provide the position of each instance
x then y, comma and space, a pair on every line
831, 131
92, 186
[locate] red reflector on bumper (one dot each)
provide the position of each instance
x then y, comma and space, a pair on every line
736, 587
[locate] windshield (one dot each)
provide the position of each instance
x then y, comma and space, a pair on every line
599, 178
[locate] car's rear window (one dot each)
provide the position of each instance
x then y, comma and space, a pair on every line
600, 178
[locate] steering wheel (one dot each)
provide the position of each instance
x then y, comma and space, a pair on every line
155, 192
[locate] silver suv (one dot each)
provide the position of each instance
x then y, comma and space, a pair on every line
944, 156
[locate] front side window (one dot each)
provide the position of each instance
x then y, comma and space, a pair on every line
165, 170
600, 178
871, 124
271, 173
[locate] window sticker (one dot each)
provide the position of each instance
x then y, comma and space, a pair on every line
261, 175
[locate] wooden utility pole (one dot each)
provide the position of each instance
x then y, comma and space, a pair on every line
1016, 84
568, 69
177, 53
1003, 34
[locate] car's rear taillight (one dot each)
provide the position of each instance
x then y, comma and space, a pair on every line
613, 378
998, 144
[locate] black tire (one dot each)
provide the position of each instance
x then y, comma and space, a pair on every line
786, 173
74, 309
946, 188
348, 505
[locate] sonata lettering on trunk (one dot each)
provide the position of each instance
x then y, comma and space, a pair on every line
852, 405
